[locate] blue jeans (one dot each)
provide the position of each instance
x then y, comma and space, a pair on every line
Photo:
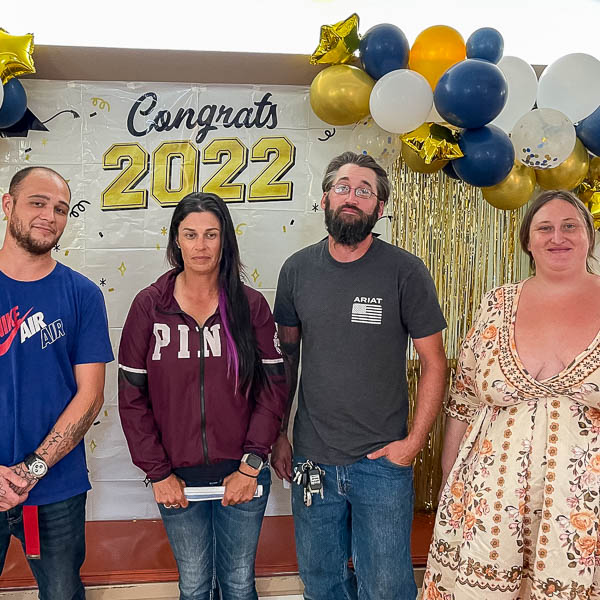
366, 513
217, 544
62, 545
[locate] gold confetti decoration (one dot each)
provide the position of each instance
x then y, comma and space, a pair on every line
44, 141
255, 275
66, 253
163, 231
105, 412
158, 246
122, 268
284, 229
239, 230
337, 42
111, 289
469, 247
93, 446
101, 104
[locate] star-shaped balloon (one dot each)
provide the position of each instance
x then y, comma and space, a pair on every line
16, 55
338, 42
589, 192
433, 142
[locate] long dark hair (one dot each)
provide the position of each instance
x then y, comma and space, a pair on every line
233, 304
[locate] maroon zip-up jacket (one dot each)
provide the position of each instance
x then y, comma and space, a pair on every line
177, 399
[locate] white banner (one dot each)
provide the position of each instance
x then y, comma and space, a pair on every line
131, 151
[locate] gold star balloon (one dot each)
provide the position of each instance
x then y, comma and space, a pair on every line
433, 142
589, 190
338, 42
16, 55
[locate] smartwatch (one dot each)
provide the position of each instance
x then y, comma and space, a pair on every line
36, 465
253, 460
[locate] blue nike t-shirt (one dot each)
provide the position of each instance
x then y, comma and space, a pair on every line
46, 327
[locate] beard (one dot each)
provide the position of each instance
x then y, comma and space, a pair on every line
349, 230
26, 241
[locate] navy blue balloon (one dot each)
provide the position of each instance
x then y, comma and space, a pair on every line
471, 93
487, 44
14, 104
449, 170
382, 49
488, 156
588, 131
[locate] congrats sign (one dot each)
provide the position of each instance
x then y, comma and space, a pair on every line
130, 152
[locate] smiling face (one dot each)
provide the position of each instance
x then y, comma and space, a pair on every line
558, 238
199, 238
37, 213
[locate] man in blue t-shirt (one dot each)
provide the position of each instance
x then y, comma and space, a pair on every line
53, 348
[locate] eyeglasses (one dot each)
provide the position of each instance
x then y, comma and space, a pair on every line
341, 189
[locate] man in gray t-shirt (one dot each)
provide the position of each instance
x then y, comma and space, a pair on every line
353, 300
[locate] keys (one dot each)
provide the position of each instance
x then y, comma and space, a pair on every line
310, 477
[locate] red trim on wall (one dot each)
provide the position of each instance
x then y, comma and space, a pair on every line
138, 552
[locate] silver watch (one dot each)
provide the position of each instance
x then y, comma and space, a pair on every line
36, 465
253, 460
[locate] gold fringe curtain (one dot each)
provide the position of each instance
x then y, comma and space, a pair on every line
469, 247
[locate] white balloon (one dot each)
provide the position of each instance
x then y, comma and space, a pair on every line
571, 84
522, 91
543, 138
368, 138
434, 116
401, 101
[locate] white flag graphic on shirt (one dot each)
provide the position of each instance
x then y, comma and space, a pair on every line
366, 313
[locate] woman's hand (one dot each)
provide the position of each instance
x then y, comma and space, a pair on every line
239, 488
169, 492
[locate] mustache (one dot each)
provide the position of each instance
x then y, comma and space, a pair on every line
351, 207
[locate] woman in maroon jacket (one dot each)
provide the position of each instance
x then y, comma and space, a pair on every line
201, 397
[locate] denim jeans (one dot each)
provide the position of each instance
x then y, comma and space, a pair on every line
215, 544
366, 513
62, 545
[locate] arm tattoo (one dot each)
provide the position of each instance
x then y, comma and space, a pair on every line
59, 443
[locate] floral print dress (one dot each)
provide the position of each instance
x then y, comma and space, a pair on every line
519, 515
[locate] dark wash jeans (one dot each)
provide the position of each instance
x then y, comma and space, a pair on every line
366, 514
62, 542
215, 544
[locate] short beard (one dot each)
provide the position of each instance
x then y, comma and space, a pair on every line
24, 239
349, 232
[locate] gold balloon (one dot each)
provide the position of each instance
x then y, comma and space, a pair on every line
594, 169
514, 191
338, 42
589, 190
339, 95
569, 174
416, 163
433, 142
16, 55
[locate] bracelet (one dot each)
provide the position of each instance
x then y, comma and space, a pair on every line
246, 474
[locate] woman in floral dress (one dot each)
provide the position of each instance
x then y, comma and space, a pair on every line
519, 513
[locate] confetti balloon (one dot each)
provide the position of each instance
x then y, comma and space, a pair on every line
368, 138
543, 138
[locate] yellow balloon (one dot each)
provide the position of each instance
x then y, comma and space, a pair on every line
416, 163
435, 50
339, 95
16, 55
569, 174
514, 191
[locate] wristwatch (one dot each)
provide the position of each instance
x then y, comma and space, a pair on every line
37, 466
253, 460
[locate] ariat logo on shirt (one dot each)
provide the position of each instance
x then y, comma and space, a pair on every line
367, 310
28, 326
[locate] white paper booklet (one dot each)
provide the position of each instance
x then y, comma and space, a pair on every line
212, 492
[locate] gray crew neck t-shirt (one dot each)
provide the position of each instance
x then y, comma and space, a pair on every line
355, 318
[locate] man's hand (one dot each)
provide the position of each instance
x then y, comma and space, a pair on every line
400, 452
21, 470
281, 457
239, 488
9, 481
169, 492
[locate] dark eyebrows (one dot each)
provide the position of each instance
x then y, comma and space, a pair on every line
345, 180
